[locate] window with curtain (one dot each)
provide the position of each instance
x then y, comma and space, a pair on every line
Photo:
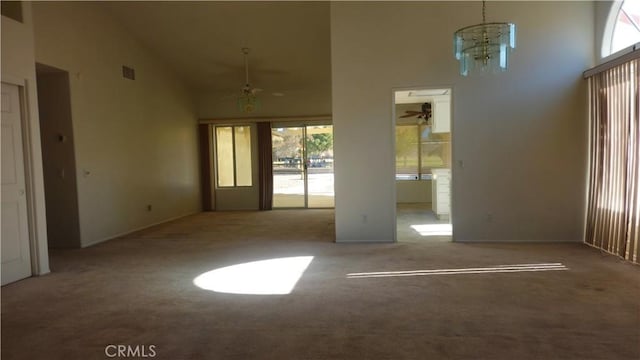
613, 205
233, 156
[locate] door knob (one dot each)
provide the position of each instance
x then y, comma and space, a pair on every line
21, 192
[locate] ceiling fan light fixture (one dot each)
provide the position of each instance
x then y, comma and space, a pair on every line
248, 102
484, 47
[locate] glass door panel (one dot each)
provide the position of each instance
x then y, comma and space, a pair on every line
289, 186
319, 160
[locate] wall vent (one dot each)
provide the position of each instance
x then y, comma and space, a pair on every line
128, 73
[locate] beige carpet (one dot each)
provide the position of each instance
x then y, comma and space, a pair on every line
139, 290
297, 201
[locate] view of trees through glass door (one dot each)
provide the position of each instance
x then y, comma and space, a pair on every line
303, 166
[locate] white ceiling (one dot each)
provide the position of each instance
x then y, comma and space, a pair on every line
289, 42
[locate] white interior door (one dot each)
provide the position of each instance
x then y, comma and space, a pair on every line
16, 258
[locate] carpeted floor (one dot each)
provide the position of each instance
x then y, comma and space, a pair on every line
139, 290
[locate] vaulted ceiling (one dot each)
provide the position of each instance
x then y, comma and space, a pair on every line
289, 42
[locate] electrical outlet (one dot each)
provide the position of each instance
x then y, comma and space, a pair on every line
364, 219
489, 217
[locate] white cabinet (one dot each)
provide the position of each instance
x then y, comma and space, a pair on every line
441, 192
441, 115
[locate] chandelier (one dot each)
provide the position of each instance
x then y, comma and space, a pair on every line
484, 47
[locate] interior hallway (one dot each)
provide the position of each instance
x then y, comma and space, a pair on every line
139, 290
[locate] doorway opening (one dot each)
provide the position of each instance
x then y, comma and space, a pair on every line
423, 135
302, 166
58, 157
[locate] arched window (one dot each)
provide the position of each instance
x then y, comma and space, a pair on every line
623, 27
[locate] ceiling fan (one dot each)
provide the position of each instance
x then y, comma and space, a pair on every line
424, 114
247, 101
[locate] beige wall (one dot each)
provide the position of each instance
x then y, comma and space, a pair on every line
519, 138
18, 67
135, 141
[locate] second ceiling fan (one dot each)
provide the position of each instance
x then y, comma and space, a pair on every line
424, 115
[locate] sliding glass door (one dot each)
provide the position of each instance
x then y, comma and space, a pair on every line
319, 151
303, 166
288, 167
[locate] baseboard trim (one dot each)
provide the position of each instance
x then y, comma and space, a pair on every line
96, 242
365, 241
518, 241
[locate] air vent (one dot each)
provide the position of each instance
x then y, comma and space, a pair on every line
128, 73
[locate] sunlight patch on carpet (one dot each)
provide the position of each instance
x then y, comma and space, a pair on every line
478, 270
265, 277
433, 229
